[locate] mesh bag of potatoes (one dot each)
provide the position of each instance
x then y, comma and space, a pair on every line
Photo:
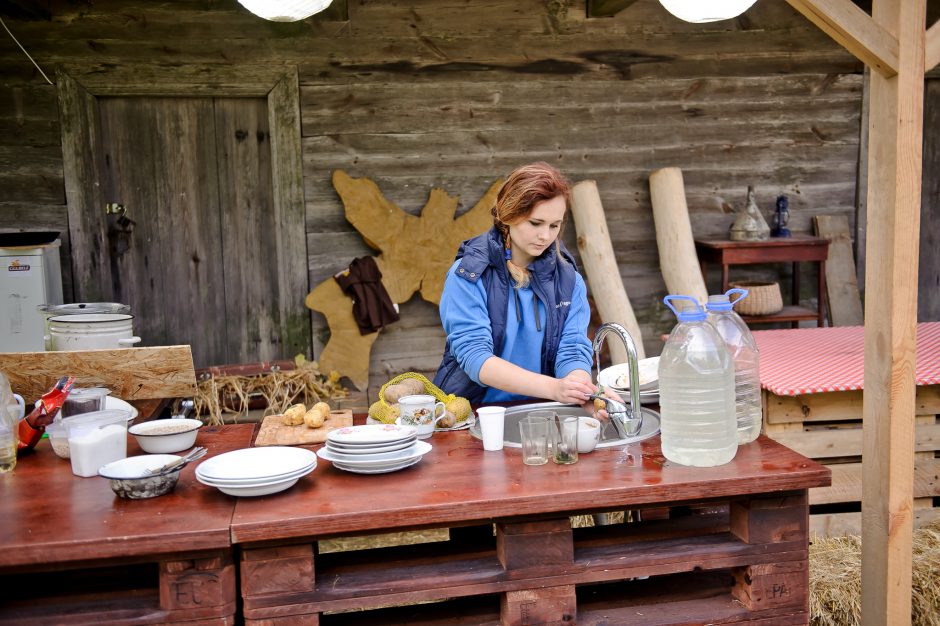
385, 409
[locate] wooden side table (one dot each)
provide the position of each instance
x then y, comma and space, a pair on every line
795, 250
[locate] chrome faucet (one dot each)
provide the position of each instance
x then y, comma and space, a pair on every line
627, 420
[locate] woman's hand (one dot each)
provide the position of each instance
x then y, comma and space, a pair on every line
575, 388
599, 413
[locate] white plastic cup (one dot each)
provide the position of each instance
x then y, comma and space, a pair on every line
492, 419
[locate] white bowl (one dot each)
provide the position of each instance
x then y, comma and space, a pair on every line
168, 435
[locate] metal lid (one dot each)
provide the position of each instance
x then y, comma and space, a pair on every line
84, 307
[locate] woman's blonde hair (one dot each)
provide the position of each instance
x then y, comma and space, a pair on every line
525, 187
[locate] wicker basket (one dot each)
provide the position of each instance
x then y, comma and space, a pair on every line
762, 298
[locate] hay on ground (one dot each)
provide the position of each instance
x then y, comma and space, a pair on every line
835, 579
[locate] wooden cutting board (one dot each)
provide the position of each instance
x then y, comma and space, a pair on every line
274, 432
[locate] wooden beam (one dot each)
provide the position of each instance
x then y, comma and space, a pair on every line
894, 195
855, 31
932, 47
607, 8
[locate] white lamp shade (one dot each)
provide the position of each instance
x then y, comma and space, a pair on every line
285, 10
698, 11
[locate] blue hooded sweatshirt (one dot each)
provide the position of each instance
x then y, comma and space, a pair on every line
484, 315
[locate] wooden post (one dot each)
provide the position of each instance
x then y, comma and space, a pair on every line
677, 256
894, 188
600, 266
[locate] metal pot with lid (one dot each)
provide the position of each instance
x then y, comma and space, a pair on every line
67, 336
92, 331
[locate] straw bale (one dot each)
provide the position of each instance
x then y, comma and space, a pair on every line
835, 579
280, 389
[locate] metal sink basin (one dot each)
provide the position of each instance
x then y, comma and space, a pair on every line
609, 438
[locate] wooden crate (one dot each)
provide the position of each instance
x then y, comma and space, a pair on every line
827, 427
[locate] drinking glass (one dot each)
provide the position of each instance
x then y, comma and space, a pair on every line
533, 433
565, 440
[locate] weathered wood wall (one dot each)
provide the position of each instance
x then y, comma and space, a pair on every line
422, 93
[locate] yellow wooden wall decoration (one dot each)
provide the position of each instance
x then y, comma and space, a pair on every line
414, 255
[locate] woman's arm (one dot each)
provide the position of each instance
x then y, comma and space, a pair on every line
574, 388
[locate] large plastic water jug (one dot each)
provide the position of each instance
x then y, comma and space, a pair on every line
744, 353
696, 390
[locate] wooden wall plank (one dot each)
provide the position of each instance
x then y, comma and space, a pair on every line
249, 244
283, 104
847, 483
928, 272
91, 267
843, 301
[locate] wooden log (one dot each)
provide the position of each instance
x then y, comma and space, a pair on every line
677, 256
600, 266
844, 302
130, 373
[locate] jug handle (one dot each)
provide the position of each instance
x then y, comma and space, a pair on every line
741, 293
669, 299
129, 341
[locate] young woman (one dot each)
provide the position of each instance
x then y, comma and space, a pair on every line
514, 306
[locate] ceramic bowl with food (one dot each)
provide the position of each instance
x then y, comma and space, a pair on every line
132, 477
167, 435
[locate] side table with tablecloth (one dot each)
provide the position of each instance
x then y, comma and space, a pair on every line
812, 380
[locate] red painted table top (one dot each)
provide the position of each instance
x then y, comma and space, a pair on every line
49, 515
818, 360
458, 482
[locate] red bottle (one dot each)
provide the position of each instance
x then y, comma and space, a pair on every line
33, 425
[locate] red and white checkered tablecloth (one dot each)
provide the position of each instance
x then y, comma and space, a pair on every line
816, 360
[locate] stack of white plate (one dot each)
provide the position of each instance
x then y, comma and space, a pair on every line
617, 377
373, 448
256, 471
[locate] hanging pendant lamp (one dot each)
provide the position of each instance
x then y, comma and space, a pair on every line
699, 11
285, 10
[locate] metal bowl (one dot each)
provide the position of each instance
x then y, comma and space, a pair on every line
125, 476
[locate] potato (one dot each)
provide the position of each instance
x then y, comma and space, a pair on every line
599, 405
315, 417
324, 408
448, 420
413, 385
394, 392
460, 408
294, 416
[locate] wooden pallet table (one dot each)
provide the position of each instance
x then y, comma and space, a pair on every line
512, 557
812, 381
72, 552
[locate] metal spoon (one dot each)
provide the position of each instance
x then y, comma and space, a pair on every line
193, 455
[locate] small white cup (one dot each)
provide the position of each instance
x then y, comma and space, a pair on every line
422, 412
492, 419
589, 434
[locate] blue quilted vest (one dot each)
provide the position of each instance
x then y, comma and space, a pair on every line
483, 258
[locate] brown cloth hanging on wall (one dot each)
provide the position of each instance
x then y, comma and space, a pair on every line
372, 306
